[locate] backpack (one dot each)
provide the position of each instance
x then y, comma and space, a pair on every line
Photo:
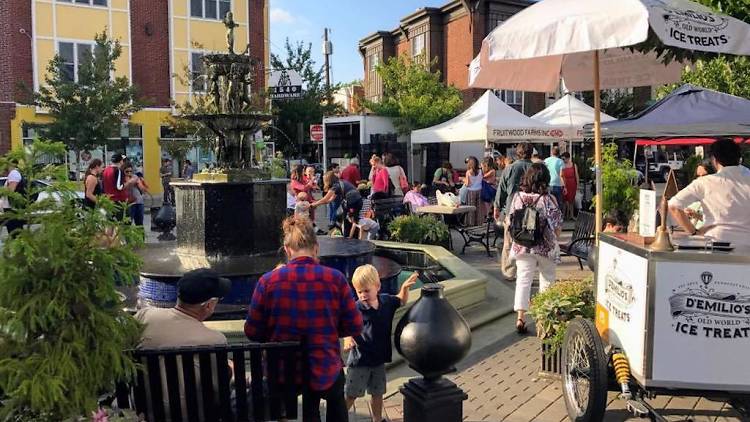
527, 225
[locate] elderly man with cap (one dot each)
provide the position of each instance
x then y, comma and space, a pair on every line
198, 292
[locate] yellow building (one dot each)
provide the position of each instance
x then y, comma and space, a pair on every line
160, 40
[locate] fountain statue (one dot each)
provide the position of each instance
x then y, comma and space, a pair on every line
230, 115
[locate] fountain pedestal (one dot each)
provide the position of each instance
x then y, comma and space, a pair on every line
229, 219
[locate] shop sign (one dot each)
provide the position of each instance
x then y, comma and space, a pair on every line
285, 84
702, 314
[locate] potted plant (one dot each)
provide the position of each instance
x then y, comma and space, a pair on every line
419, 229
63, 330
553, 309
619, 182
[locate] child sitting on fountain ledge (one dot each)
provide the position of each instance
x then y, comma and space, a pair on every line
371, 350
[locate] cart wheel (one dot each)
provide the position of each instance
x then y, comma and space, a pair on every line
584, 372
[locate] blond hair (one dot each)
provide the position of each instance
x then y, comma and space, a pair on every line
298, 233
366, 276
329, 179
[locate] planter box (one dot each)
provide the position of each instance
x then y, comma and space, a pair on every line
551, 363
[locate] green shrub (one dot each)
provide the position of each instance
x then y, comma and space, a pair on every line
63, 330
563, 301
415, 229
618, 183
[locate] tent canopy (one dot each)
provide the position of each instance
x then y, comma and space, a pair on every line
488, 120
683, 141
571, 113
688, 111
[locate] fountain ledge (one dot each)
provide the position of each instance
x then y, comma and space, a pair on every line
466, 290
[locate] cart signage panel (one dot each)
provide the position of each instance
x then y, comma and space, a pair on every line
621, 291
702, 315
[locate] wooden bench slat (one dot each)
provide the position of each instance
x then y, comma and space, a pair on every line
173, 388
210, 408
290, 359
139, 395
256, 385
225, 398
156, 400
275, 401
240, 386
191, 390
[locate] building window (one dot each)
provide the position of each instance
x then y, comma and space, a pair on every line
73, 55
88, 2
512, 98
210, 9
198, 81
373, 60
418, 44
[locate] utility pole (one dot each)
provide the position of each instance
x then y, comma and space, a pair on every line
327, 51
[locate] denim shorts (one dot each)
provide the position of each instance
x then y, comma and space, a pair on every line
361, 378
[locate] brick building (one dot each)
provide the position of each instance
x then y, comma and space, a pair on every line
453, 35
159, 38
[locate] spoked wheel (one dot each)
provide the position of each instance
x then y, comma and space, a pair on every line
584, 372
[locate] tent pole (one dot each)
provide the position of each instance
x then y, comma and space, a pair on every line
597, 146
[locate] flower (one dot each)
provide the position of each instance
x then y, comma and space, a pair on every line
100, 416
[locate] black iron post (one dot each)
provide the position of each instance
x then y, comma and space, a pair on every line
432, 336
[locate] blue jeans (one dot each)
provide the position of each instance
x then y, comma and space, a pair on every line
136, 214
333, 209
556, 191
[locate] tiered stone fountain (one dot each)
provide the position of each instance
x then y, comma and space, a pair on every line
228, 219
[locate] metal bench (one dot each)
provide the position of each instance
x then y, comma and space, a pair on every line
167, 389
582, 239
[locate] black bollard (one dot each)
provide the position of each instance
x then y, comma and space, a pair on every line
165, 220
432, 336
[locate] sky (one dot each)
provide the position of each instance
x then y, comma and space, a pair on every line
348, 21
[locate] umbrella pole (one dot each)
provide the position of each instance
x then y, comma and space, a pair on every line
597, 147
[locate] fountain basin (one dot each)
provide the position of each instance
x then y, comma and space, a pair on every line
465, 286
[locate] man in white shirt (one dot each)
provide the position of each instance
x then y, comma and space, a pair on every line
198, 292
724, 196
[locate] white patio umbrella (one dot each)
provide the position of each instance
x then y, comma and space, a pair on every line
570, 39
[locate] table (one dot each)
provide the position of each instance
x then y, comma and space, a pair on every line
455, 224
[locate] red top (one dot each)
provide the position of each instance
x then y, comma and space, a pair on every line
306, 301
380, 184
351, 173
113, 184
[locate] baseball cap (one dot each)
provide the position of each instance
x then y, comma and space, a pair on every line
200, 285
117, 157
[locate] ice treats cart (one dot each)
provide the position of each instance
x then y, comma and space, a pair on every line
673, 323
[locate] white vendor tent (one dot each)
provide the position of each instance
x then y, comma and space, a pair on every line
571, 114
490, 120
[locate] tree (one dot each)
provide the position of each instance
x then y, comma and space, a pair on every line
724, 74
413, 95
294, 117
87, 111
617, 103
64, 334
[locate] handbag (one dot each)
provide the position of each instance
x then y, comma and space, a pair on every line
488, 192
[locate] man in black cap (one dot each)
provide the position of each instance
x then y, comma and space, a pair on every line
198, 292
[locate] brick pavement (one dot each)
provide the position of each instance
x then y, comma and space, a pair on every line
505, 385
